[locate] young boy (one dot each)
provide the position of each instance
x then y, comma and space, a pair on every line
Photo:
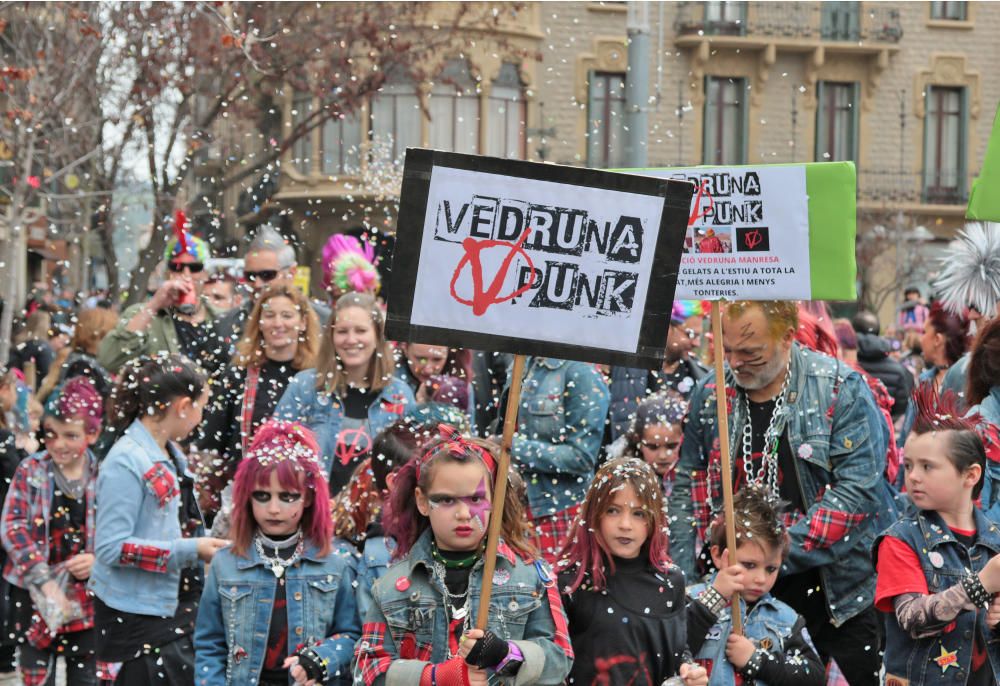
775, 647
48, 531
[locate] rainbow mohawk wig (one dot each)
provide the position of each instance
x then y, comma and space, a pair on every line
348, 266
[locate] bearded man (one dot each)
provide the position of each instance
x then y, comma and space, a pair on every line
805, 427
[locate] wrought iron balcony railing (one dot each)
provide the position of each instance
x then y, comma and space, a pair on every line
827, 21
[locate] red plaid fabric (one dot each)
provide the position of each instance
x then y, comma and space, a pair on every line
826, 527
249, 398
35, 676
38, 634
561, 637
373, 658
551, 532
146, 557
161, 483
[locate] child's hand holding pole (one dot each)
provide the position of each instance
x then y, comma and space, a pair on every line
729, 580
739, 650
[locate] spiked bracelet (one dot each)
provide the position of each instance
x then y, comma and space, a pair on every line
713, 600
753, 665
315, 666
978, 595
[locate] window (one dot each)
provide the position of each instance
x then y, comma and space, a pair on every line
841, 21
606, 121
342, 145
302, 148
949, 10
725, 18
396, 115
836, 121
507, 114
454, 110
724, 140
944, 145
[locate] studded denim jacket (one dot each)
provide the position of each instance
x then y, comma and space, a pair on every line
407, 627
839, 439
234, 617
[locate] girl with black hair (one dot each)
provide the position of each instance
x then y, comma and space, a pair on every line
148, 572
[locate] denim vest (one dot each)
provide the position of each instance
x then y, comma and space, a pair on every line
323, 412
138, 503
234, 618
839, 439
918, 659
408, 602
769, 621
560, 426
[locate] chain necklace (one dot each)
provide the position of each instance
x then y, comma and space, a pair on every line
458, 610
276, 562
767, 473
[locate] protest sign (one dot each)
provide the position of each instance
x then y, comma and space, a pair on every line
535, 258
984, 200
769, 232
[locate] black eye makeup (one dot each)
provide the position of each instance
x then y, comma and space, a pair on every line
287, 497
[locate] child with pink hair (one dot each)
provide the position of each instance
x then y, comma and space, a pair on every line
279, 602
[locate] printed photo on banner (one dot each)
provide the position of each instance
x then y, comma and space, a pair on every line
556, 259
748, 232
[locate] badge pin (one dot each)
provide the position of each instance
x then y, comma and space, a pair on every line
501, 577
766, 643
936, 558
714, 634
402, 583
848, 443
805, 451
947, 659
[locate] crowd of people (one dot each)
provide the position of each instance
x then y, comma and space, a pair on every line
237, 484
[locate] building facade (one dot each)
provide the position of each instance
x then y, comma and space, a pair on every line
906, 90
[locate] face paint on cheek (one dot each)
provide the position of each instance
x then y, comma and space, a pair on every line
479, 510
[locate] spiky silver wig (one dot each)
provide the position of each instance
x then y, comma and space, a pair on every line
971, 270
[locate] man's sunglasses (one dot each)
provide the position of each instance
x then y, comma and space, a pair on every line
178, 267
265, 275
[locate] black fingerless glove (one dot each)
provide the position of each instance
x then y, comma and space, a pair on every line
489, 651
313, 664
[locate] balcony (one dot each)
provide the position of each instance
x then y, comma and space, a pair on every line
790, 25
945, 192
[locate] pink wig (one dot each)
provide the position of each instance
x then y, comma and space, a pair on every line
586, 550
817, 333
77, 400
289, 450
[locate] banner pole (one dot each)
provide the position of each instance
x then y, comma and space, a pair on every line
727, 467
500, 491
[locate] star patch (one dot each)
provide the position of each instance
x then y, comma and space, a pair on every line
946, 659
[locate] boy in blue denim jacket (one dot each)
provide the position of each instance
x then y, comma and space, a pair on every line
775, 647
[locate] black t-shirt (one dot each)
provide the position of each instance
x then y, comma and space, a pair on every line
67, 526
633, 632
277, 633
801, 591
353, 442
201, 343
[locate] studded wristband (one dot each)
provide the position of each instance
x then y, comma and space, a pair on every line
753, 665
978, 595
314, 665
713, 600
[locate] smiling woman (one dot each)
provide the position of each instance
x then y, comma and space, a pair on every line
352, 394
280, 339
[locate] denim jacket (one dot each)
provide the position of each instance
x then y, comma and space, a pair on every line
323, 412
770, 624
560, 426
139, 547
989, 414
375, 560
917, 659
27, 512
406, 627
234, 618
839, 438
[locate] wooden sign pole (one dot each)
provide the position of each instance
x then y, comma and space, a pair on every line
727, 466
500, 491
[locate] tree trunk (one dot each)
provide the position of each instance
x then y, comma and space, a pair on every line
152, 254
